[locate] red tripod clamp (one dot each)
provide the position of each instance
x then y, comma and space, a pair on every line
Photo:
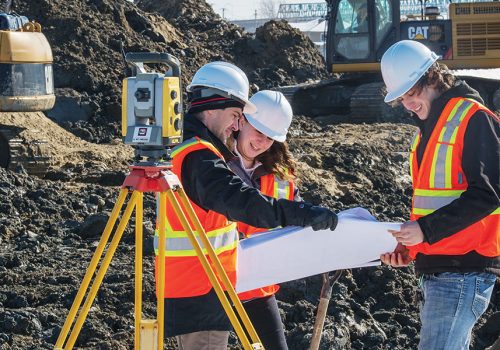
151, 179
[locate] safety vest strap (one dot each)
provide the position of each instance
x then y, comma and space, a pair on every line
178, 244
441, 168
194, 141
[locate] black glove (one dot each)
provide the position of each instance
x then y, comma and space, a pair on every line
322, 219
305, 214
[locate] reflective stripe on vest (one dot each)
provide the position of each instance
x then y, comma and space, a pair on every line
178, 244
281, 188
414, 144
440, 176
440, 180
193, 141
427, 201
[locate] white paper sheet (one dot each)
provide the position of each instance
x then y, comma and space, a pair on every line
295, 252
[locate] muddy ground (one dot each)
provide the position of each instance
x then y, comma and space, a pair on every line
50, 227
49, 230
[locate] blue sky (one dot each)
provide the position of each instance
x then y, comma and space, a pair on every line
238, 9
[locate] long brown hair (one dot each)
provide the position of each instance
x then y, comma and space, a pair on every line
279, 160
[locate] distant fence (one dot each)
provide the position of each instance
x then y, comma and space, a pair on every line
320, 9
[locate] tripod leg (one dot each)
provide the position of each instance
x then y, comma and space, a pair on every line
103, 268
91, 269
138, 270
209, 271
161, 269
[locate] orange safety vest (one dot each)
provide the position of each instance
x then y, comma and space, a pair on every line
184, 274
271, 186
440, 179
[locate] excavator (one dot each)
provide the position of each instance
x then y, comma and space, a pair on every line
26, 85
466, 35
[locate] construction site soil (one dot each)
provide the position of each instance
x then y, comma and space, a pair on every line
50, 227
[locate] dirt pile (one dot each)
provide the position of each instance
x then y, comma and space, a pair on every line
207, 36
64, 149
279, 55
86, 38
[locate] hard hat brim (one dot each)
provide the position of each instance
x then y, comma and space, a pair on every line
249, 107
265, 130
393, 95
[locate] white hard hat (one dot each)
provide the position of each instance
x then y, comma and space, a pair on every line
273, 115
403, 64
227, 78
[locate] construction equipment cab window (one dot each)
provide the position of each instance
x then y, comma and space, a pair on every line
25, 80
353, 25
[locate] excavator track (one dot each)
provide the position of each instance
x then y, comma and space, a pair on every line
361, 97
15, 151
367, 105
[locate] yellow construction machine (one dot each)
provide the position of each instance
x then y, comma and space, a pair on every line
465, 33
26, 85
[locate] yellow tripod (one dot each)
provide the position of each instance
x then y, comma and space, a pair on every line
149, 333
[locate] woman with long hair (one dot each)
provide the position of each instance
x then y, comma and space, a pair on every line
264, 162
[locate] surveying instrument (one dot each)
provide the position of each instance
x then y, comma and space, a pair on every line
152, 123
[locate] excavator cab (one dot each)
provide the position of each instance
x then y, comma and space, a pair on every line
465, 34
359, 32
26, 78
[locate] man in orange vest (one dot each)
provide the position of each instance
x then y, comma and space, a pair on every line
218, 96
453, 233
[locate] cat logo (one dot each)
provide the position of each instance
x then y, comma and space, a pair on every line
418, 33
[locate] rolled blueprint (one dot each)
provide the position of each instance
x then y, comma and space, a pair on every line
296, 252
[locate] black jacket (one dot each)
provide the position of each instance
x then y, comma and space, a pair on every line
480, 163
208, 182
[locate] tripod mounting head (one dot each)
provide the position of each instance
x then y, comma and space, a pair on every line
152, 107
